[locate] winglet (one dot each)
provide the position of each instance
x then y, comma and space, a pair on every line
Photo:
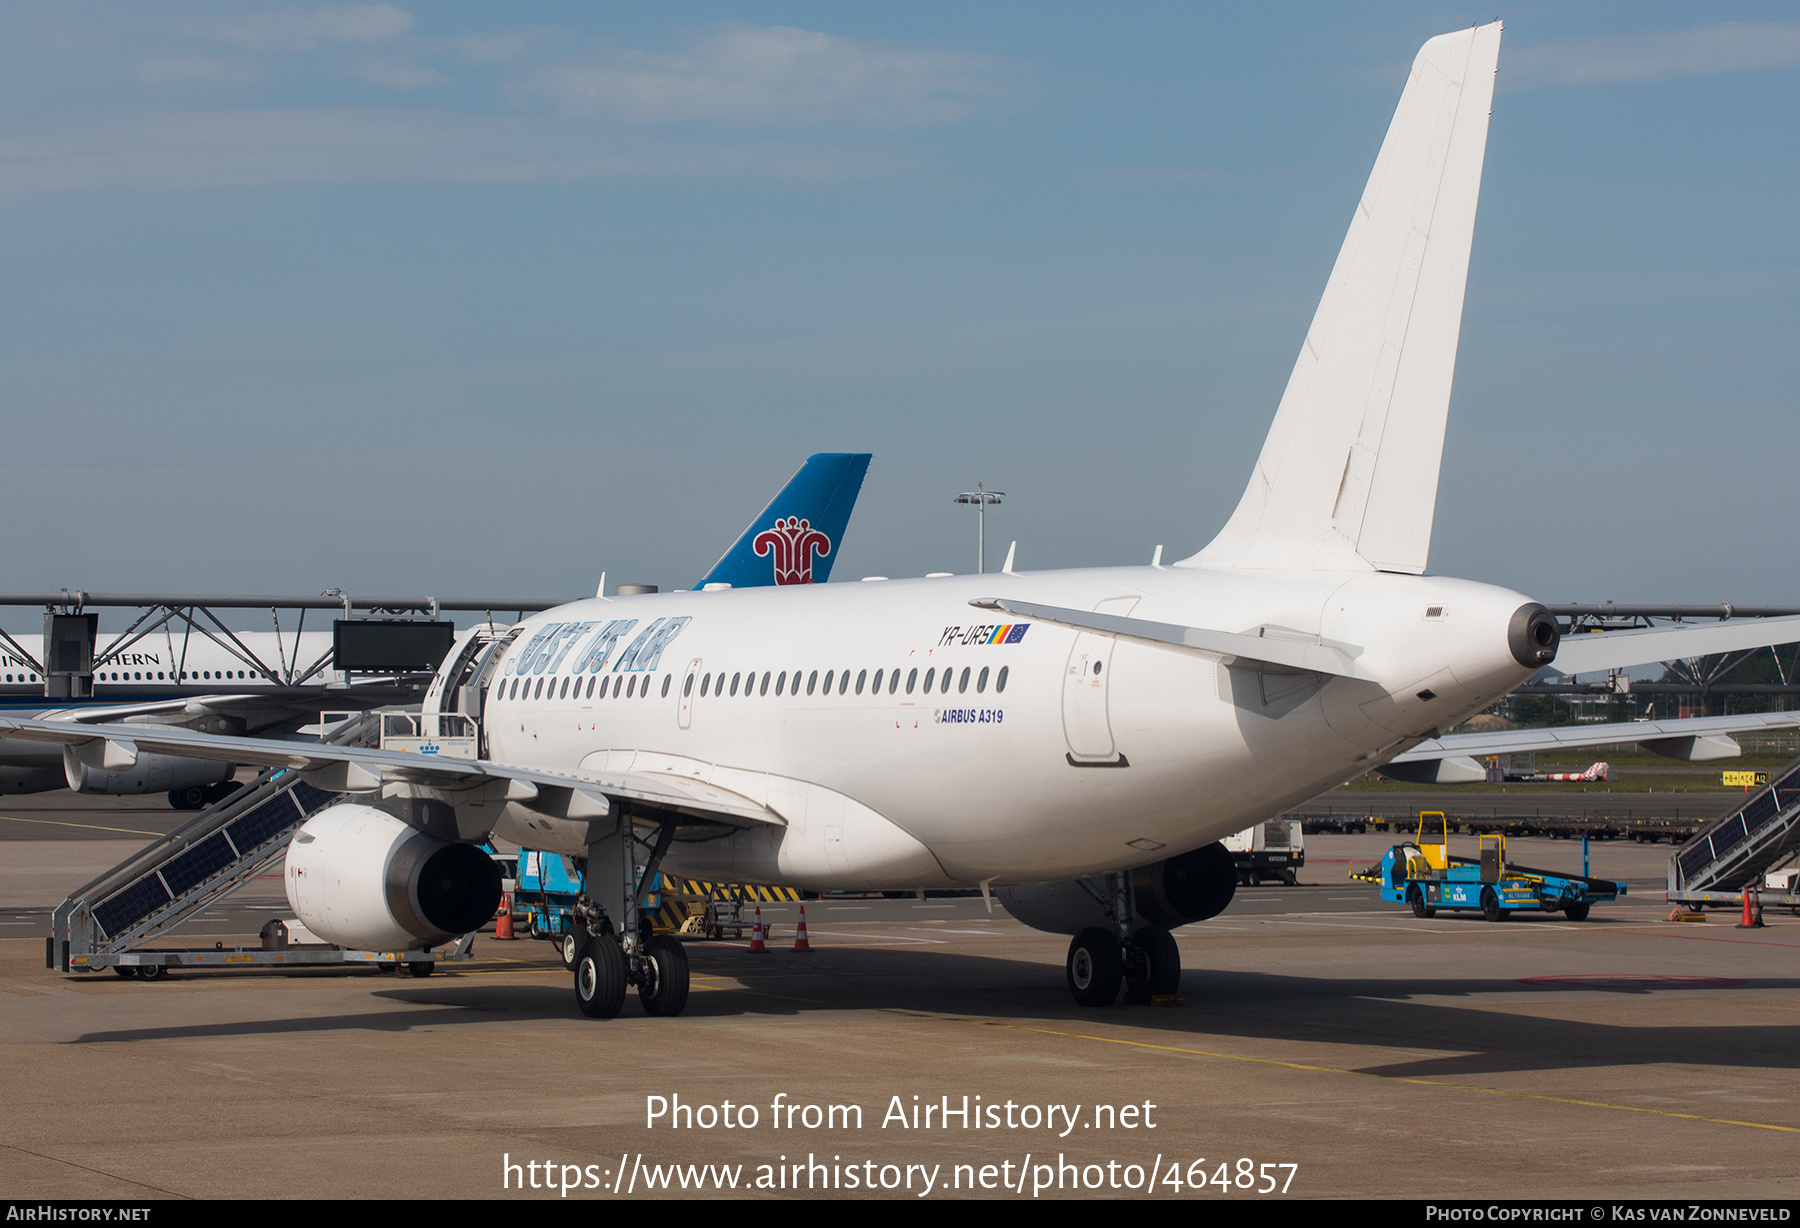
1348, 475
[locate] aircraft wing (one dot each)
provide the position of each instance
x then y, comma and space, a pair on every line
1302, 654
1598, 650
1454, 759
353, 768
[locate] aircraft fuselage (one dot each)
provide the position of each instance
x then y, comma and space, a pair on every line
1093, 752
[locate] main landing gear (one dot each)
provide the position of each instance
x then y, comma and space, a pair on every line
603, 972
608, 962
1141, 959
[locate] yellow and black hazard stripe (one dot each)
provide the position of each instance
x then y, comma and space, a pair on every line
686, 897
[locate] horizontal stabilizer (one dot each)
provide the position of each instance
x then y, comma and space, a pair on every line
1347, 478
1281, 650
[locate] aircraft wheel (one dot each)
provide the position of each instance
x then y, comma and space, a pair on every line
1576, 912
1416, 899
421, 967
187, 799
124, 973
1095, 967
600, 978
1490, 905
569, 947
664, 987
1162, 965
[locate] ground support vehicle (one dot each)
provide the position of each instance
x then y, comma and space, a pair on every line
549, 887
1423, 875
1272, 850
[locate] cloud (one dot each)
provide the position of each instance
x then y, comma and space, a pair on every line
197, 70
395, 73
1655, 55
230, 149
304, 30
750, 76
496, 48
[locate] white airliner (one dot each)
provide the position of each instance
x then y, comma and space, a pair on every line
1078, 740
173, 663
151, 671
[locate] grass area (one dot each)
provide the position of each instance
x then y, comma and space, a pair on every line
1682, 783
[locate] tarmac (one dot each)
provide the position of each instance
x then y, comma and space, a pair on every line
1327, 1045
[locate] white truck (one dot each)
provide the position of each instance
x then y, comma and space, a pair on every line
1272, 850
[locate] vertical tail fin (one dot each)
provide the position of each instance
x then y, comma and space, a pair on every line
795, 539
1347, 479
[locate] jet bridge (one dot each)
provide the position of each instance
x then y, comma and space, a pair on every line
1733, 853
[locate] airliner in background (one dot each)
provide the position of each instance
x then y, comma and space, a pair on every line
1075, 743
180, 678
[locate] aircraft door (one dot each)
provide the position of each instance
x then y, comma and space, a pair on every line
1086, 682
684, 713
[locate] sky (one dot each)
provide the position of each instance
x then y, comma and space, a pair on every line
474, 300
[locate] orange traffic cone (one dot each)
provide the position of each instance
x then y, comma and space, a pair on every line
800, 943
756, 932
503, 926
1752, 911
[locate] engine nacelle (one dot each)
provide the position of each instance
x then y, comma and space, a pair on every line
147, 774
361, 878
1177, 891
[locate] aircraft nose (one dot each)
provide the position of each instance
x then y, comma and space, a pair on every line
1533, 635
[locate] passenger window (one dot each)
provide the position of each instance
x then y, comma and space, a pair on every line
894, 683
981, 682
765, 684
828, 676
944, 687
930, 674
631, 690
539, 693
667, 678
1000, 682
911, 677
780, 681
875, 687
687, 688
734, 683
862, 674
590, 691
962, 686
812, 680
704, 682
844, 683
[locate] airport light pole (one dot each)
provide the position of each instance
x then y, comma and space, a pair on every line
979, 498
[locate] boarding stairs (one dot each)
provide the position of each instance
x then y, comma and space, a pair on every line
1735, 852
192, 868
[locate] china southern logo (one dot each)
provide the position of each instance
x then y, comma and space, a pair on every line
793, 543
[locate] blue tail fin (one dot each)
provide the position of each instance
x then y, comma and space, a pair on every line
796, 538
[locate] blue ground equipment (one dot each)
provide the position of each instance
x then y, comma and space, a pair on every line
1423, 875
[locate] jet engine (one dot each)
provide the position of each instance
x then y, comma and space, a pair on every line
147, 773
361, 878
1176, 891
